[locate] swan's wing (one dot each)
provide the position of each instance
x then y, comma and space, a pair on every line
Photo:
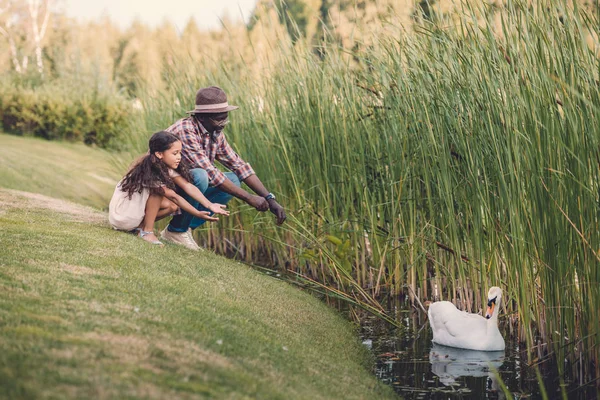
464, 323
455, 328
456, 323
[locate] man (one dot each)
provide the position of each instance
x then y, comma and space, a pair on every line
203, 142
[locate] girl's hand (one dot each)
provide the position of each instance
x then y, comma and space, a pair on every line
206, 215
218, 209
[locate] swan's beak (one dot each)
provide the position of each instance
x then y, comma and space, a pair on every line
490, 310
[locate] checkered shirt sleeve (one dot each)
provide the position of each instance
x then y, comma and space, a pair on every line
232, 160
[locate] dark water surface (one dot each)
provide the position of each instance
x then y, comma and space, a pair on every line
418, 369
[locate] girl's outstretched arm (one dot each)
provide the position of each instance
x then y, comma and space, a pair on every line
197, 195
187, 207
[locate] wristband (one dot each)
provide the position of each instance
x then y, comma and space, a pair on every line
270, 196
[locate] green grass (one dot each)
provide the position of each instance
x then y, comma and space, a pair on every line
89, 312
66, 171
86, 311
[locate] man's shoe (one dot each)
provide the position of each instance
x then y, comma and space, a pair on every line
182, 238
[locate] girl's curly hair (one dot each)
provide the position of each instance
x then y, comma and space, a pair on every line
149, 172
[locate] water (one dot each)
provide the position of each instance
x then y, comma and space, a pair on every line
418, 369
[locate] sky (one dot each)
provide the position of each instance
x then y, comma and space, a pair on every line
154, 12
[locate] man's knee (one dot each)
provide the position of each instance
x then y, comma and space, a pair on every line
200, 178
234, 178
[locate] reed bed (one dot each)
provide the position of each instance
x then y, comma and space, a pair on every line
434, 164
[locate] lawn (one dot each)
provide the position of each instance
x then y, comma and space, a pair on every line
70, 171
88, 312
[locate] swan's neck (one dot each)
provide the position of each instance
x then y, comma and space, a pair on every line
493, 320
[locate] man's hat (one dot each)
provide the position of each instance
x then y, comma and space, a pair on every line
211, 100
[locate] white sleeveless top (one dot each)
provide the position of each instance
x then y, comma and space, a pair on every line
126, 214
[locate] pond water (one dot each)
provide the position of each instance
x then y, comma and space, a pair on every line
418, 369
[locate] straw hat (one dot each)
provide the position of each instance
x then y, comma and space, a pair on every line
211, 100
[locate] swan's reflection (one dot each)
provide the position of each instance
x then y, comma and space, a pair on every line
450, 363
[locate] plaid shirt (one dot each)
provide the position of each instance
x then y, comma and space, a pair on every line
200, 149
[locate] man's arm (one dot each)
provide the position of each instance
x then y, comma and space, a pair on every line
229, 187
231, 160
243, 170
258, 202
257, 186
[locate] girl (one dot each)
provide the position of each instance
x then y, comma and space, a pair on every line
147, 192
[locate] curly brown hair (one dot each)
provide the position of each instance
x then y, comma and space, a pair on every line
149, 172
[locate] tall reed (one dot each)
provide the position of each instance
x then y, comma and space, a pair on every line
434, 163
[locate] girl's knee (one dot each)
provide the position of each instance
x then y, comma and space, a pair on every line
166, 204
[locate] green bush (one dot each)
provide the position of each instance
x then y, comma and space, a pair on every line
62, 110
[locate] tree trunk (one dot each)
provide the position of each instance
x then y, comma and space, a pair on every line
39, 31
13, 51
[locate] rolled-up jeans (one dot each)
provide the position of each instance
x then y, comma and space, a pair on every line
183, 221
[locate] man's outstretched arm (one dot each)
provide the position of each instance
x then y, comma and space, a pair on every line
257, 201
256, 185
244, 171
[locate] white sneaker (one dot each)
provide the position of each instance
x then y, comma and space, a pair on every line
183, 238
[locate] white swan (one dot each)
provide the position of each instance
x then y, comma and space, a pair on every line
455, 328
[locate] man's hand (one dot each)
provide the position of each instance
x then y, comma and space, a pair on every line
258, 202
276, 209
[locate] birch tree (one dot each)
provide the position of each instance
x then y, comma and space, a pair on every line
39, 8
9, 18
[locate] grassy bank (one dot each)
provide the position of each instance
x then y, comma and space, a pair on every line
67, 171
88, 312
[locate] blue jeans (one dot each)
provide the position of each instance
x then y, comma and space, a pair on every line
183, 221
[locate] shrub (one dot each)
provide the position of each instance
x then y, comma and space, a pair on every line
74, 111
